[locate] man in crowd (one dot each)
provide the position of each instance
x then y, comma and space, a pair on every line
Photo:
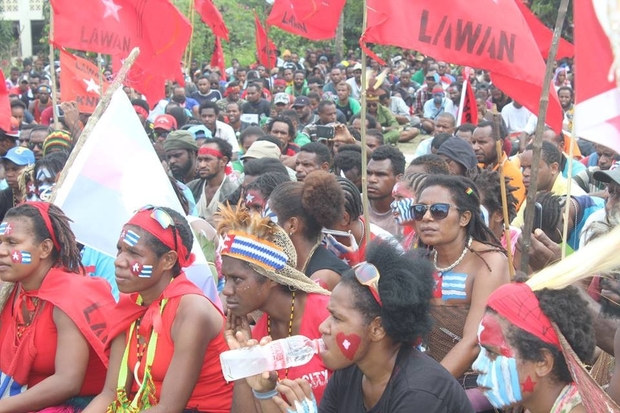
515, 116
232, 94
313, 156
566, 94
404, 87
438, 104
282, 128
233, 113
299, 87
445, 123
384, 118
356, 81
14, 162
345, 103
181, 149
335, 77
386, 167
36, 139
42, 101
424, 93
209, 111
255, 104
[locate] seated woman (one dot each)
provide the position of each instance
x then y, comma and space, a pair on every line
378, 313
469, 265
303, 209
53, 320
167, 359
521, 360
289, 302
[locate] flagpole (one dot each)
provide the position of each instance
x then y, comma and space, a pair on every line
53, 71
462, 103
365, 203
502, 185
542, 115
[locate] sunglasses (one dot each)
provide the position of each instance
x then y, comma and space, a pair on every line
438, 211
368, 275
32, 145
163, 219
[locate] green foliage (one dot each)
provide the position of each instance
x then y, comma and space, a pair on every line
547, 12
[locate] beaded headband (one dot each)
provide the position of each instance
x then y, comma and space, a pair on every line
257, 251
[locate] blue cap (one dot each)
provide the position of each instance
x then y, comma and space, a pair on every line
200, 132
20, 156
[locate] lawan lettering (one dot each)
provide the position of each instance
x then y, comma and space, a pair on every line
290, 20
105, 38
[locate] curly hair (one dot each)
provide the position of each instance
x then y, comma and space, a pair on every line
433, 164
488, 183
318, 202
396, 157
223, 146
568, 310
405, 288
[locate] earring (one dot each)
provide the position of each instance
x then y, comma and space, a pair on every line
290, 234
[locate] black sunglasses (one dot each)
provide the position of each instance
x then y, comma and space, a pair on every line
438, 211
32, 145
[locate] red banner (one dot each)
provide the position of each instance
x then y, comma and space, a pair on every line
543, 35
468, 110
312, 19
212, 17
5, 106
217, 60
467, 33
79, 81
265, 49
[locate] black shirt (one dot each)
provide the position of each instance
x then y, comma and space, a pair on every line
322, 259
262, 107
6, 201
418, 384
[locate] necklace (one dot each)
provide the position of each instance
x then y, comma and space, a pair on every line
290, 325
140, 347
441, 271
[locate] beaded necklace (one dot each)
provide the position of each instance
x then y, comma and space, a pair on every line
444, 270
290, 326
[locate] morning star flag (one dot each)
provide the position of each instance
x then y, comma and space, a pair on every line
212, 17
312, 19
469, 33
543, 35
265, 49
597, 98
116, 173
79, 81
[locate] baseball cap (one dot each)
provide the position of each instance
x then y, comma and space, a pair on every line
14, 132
357, 66
20, 156
200, 132
301, 101
166, 122
608, 176
23, 79
262, 149
281, 98
323, 58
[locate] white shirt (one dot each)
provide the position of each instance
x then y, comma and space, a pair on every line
355, 89
431, 111
399, 107
227, 133
515, 119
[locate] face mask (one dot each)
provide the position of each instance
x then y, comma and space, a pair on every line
403, 207
437, 98
500, 379
179, 99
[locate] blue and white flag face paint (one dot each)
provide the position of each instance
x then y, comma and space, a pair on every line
498, 378
402, 210
5, 228
267, 212
21, 257
131, 238
142, 271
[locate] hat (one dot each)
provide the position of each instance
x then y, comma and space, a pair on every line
199, 132
180, 139
357, 66
14, 132
59, 140
166, 122
301, 101
264, 246
262, 149
323, 58
419, 58
437, 89
459, 150
281, 98
608, 176
289, 65
20, 156
44, 89
286, 53
23, 79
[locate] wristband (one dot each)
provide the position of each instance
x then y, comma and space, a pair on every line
265, 395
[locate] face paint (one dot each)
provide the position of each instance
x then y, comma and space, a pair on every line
254, 201
130, 238
5, 228
45, 191
348, 344
403, 208
499, 379
21, 257
267, 212
43, 174
142, 271
490, 334
528, 385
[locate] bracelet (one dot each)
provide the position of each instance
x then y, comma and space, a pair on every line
265, 395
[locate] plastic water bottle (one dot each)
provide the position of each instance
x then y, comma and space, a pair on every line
279, 354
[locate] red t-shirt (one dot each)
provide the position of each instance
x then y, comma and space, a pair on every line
315, 371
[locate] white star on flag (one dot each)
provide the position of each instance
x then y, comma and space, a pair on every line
92, 86
249, 198
346, 261
111, 9
136, 267
346, 344
31, 188
15, 256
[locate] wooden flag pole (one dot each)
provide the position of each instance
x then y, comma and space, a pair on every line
53, 71
365, 203
542, 115
502, 183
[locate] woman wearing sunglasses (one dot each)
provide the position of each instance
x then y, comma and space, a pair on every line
53, 319
469, 265
378, 313
166, 357
258, 261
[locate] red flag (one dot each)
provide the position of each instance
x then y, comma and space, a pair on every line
151, 85
543, 35
79, 81
468, 111
312, 19
115, 27
265, 49
597, 109
212, 17
468, 33
217, 60
5, 106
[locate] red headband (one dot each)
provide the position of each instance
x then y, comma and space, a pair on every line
210, 151
44, 210
143, 220
231, 89
518, 304
141, 111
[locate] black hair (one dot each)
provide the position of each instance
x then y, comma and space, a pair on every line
439, 139
291, 114
488, 183
256, 167
376, 134
317, 80
318, 202
466, 197
324, 103
570, 89
396, 157
18, 104
503, 132
414, 181
357, 135
178, 113
551, 212
320, 150
433, 164
223, 146
466, 127
568, 310
314, 95
345, 160
54, 162
209, 105
372, 122
267, 182
250, 131
405, 289
142, 103
303, 72
285, 120
256, 85
68, 256
272, 139
352, 198
549, 153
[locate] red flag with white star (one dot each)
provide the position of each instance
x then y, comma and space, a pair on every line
79, 81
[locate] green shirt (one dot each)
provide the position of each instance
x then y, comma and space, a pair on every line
301, 139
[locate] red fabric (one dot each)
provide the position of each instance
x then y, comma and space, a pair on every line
43, 208
210, 151
151, 85
315, 372
265, 49
212, 17
312, 19
468, 32
211, 393
543, 35
47, 116
217, 60
518, 304
87, 301
5, 106
470, 110
78, 78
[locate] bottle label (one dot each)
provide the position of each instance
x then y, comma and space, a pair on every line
278, 356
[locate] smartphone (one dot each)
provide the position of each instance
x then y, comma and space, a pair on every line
537, 216
335, 232
59, 112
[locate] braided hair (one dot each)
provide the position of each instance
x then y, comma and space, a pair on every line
488, 183
352, 198
552, 212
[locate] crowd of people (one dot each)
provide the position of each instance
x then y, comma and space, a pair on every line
267, 164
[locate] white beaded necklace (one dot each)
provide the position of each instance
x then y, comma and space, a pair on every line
441, 271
